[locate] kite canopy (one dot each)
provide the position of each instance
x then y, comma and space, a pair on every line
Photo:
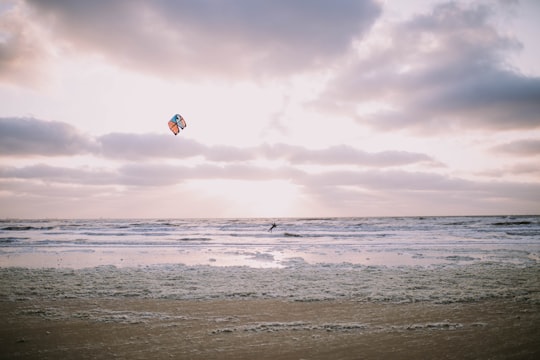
177, 123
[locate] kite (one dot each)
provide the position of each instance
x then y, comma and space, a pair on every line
177, 123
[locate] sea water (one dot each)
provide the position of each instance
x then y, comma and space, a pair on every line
388, 241
409, 259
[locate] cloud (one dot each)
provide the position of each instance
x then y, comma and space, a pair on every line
28, 136
392, 179
56, 174
336, 192
34, 137
211, 37
520, 168
145, 174
525, 147
411, 193
137, 147
372, 181
23, 46
159, 175
441, 70
343, 155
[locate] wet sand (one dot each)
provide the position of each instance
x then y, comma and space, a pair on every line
267, 329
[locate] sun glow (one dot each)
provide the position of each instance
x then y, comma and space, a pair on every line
240, 198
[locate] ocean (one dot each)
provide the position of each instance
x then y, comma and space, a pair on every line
397, 259
387, 241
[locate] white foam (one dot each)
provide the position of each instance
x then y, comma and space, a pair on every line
297, 282
101, 315
294, 326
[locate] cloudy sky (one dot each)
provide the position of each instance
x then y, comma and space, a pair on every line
294, 108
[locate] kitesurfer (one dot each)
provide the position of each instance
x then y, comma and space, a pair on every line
272, 227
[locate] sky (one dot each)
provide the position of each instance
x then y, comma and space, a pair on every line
294, 108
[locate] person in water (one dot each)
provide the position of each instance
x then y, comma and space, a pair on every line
272, 227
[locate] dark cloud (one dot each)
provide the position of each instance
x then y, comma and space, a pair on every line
525, 147
444, 69
28, 136
212, 36
34, 137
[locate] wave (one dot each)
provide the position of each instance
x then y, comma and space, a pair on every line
195, 239
26, 228
9, 240
292, 235
512, 223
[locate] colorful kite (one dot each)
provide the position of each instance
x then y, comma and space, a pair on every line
177, 123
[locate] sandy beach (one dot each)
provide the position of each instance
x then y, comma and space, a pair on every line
267, 329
